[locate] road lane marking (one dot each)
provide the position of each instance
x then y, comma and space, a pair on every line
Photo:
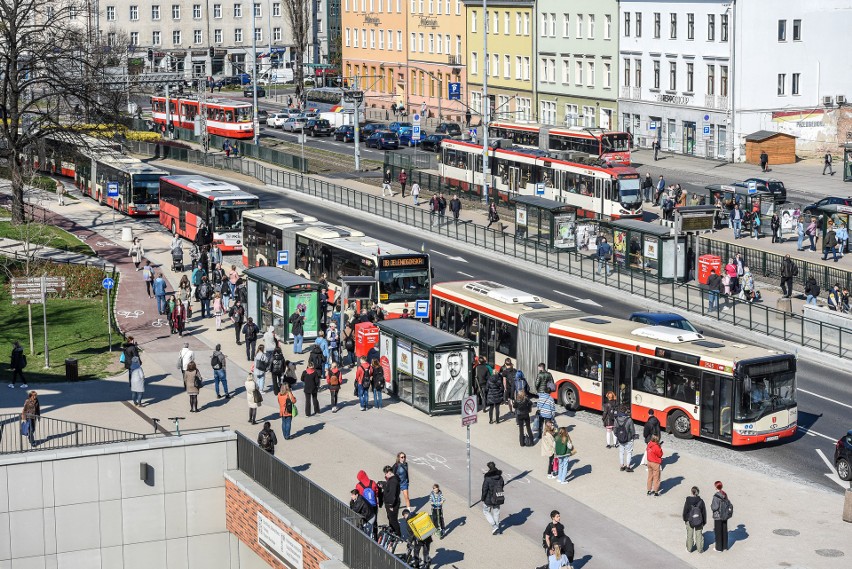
832, 473
826, 398
816, 434
465, 274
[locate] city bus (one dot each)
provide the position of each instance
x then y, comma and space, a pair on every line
609, 146
596, 191
188, 201
138, 183
398, 277
698, 386
231, 119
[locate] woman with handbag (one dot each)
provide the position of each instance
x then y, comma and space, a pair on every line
179, 315
192, 382
563, 450
29, 415
548, 447
137, 252
349, 343
253, 397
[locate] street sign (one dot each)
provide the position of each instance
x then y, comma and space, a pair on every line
284, 258
454, 91
752, 187
421, 309
30, 289
415, 120
652, 125
112, 189
706, 130
468, 411
108, 283
539, 189
415, 132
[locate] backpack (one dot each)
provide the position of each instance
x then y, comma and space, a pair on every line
366, 376
726, 508
288, 406
316, 358
370, 496
264, 440
498, 492
621, 433
215, 362
23, 360
277, 365
694, 517
262, 364
520, 385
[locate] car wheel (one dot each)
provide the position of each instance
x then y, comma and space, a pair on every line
568, 397
679, 424
844, 469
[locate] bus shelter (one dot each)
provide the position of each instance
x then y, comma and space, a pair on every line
547, 223
847, 162
425, 367
835, 217
274, 294
648, 247
724, 197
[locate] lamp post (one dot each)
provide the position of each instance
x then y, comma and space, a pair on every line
254, 72
486, 108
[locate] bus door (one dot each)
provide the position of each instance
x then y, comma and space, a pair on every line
599, 196
617, 376
514, 178
182, 217
716, 406
487, 338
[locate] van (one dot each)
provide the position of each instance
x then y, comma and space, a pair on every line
277, 76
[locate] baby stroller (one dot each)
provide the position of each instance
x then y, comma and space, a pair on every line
177, 260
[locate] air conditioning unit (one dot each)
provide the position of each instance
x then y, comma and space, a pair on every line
827, 101
841, 99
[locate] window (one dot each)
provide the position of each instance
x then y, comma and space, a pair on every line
566, 25
794, 89
364, 41
517, 23
782, 30
473, 22
690, 26
724, 31
176, 37
458, 7
578, 72
155, 38
589, 119
507, 66
217, 10
458, 47
590, 69
607, 27
238, 10
134, 38
474, 63
782, 84
110, 13
627, 24
217, 35
638, 66
155, 12
507, 23
571, 113
495, 65
607, 76
276, 9
419, 42
526, 69
524, 108
175, 11
196, 37
638, 24
591, 33
257, 12
431, 43
723, 80
134, 13
238, 35
258, 34
276, 34
399, 40
797, 32
626, 72
355, 38
519, 67
566, 75
690, 76
390, 46
347, 38
673, 27
672, 75
656, 25
711, 27
439, 46
656, 74
381, 39
552, 25
711, 79
527, 32
196, 11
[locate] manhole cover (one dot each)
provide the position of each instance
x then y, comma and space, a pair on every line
786, 532
830, 553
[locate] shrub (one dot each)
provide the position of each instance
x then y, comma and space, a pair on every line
80, 281
143, 136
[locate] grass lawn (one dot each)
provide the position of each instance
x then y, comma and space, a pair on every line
76, 329
53, 236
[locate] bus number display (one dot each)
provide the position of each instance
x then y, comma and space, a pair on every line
386, 263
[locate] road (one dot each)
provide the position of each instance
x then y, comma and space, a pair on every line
825, 394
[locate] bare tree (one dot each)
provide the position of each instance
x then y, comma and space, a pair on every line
298, 14
50, 64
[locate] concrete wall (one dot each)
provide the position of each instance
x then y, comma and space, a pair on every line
88, 509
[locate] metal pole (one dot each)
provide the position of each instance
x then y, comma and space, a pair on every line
44, 313
168, 114
357, 131
486, 106
732, 79
469, 478
109, 318
254, 73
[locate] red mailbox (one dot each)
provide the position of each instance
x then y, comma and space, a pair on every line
707, 263
366, 338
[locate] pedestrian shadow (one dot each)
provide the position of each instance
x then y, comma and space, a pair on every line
443, 556
581, 562
456, 523
577, 473
301, 467
518, 476
671, 459
670, 483
310, 429
516, 519
418, 503
739, 533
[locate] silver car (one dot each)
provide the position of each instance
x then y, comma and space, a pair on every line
275, 120
293, 124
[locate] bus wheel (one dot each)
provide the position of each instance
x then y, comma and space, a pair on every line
174, 228
568, 397
679, 424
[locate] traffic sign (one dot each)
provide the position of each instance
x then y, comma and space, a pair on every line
415, 132
652, 125
284, 258
468, 413
415, 120
112, 189
108, 283
539, 189
454, 91
421, 309
706, 130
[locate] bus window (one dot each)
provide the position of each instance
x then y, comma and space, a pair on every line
563, 355
589, 361
682, 383
507, 338
651, 377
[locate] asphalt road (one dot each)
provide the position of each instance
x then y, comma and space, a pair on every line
825, 387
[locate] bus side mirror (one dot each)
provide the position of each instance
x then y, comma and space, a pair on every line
432, 272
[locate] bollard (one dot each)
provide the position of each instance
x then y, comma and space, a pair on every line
847, 506
127, 234
784, 307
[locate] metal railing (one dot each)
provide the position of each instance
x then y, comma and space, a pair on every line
320, 508
51, 434
694, 298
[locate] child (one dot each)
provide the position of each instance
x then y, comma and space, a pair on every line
548, 448
436, 498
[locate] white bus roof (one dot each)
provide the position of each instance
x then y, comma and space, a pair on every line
278, 216
510, 301
353, 240
130, 165
207, 187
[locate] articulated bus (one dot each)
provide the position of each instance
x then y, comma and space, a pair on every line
612, 147
188, 201
231, 119
736, 393
398, 277
597, 191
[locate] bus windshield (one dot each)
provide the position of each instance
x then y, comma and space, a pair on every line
761, 394
615, 142
403, 285
229, 218
628, 190
146, 189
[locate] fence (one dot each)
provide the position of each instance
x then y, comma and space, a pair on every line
310, 501
690, 297
51, 434
415, 160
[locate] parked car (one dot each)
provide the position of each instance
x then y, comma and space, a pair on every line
293, 124
345, 133
396, 125
248, 91
433, 141
833, 200
241, 79
771, 185
262, 116
318, 127
275, 120
310, 114
843, 456
370, 128
404, 134
383, 140
664, 319
451, 128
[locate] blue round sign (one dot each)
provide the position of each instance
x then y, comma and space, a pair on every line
108, 283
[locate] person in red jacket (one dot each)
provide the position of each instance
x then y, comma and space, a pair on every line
655, 464
403, 179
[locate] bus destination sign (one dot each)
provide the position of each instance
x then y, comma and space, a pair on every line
396, 262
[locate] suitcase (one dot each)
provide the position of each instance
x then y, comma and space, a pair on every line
421, 525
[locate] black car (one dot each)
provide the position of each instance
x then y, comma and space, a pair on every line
433, 142
318, 127
451, 128
262, 115
248, 91
370, 128
383, 140
812, 209
345, 133
843, 456
772, 186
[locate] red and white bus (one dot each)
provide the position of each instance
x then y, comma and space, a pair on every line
698, 386
610, 146
231, 119
187, 202
596, 191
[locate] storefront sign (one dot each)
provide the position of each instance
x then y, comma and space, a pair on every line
372, 20
673, 99
427, 22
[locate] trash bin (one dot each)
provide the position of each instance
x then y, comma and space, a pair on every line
706, 263
71, 371
127, 234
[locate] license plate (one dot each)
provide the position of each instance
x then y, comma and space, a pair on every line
773, 438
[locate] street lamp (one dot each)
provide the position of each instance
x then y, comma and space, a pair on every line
254, 71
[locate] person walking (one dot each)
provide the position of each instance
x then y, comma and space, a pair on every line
493, 496
286, 408
610, 410
270, 342
277, 367
386, 184
266, 438
656, 147
434, 206
788, 271
253, 398
148, 277
363, 382
18, 362
455, 207
800, 234
137, 252
192, 382
129, 351
250, 332
736, 218
437, 501
811, 232
764, 160
775, 227
237, 314
714, 287
523, 408
178, 317
219, 363
494, 394
377, 382
415, 193
647, 188
467, 117
400, 468
661, 188
604, 256
311, 382
554, 533
297, 327
826, 164
625, 432
160, 287
403, 180
218, 310
493, 215
30, 414
261, 365
548, 448
391, 493
233, 279
722, 511
563, 450
334, 379
695, 518
442, 208
829, 246
655, 465
205, 295
185, 357
137, 381
546, 407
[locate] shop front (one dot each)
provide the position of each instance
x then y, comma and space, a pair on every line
679, 126
274, 294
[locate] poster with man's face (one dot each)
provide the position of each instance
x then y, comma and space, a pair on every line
451, 376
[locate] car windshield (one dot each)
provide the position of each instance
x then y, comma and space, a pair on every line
679, 323
403, 285
388, 135
761, 394
146, 189
229, 218
615, 142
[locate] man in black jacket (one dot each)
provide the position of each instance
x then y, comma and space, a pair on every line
788, 271
250, 331
714, 287
360, 506
390, 492
652, 427
493, 496
695, 516
455, 207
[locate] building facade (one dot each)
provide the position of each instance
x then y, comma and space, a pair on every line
510, 61
577, 57
675, 75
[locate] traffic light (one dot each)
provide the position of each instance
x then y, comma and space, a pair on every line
150, 54
212, 52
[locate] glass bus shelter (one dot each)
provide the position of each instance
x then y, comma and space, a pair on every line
274, 294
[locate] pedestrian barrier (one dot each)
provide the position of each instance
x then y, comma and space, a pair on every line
686, 296
320, 508
52, 434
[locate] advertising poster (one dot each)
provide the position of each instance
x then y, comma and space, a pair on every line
652, 248
311, 302
278, 303
619, 245
421, 363
386, 357
584, 234
403, 357
566, 231
521, 215
451, 376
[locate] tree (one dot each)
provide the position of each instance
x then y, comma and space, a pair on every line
298, 14
50, 67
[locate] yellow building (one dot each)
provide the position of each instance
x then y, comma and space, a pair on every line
510, 61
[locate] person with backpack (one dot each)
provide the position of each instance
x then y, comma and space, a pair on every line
348, 340
625, 432
204, 292
269, 341
261, 364
363, 382
507, 376
287, 408
324, 351
365, 512
608, 417
546, 411
655, 465
334, 379
544, 381
297, 327
493, 496
310, 386
651, 428
695, 517
148, 277
523, 409
333, 338
277, 367
237, 313
137, 381
266, 439
722, 510
494, 396
129, 351
250, 331
482, 371
377, 381
315, 357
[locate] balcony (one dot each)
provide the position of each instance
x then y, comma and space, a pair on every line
716, 102
454, 59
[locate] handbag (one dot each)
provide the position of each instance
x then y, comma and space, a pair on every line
25, 427
258, 398
555, 464
122, 358
294, 411
198, 382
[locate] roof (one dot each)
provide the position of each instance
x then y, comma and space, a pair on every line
278, 216
209, 187
280, 277
130, 165
643, 227
422, 333
542, 203
762, 135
